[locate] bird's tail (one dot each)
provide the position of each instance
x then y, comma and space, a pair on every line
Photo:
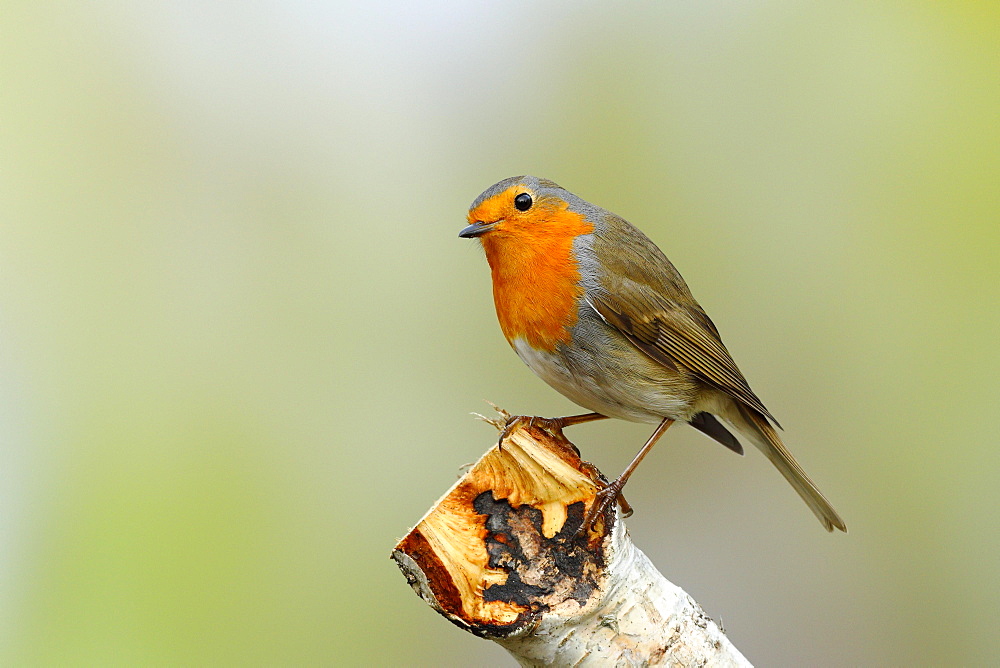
762, 434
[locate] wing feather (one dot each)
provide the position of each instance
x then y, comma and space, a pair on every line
676, 334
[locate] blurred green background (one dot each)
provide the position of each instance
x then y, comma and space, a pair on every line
240, 339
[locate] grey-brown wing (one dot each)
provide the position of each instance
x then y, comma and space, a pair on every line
674, 334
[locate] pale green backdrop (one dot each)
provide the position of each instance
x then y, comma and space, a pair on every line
240, 339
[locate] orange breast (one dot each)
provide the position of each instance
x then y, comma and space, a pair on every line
536, 279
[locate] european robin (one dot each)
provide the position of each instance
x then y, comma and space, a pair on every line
596, 310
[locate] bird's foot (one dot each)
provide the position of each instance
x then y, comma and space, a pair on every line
509, 426
552, 425
514, 422
611, 493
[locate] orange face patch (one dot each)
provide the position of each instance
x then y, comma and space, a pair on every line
536, 279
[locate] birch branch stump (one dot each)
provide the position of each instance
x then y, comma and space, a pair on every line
500, 555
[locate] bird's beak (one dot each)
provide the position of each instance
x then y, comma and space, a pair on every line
477, 229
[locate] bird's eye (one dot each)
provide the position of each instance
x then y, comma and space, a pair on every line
522, 202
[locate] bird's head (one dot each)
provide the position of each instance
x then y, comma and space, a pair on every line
528, 227
526, 211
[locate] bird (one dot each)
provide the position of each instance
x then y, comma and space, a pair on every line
594, 308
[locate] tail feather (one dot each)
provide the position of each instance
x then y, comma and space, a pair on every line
763, 435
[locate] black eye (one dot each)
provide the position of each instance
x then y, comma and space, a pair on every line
522, 202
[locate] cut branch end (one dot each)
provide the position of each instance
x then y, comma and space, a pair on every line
503, 555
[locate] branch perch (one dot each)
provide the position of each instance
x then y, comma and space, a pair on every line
501, 555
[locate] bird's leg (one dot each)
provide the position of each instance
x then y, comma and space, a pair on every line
559, 423
614, 489
571, 420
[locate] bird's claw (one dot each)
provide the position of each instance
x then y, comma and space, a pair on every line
611, 493
552, 425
